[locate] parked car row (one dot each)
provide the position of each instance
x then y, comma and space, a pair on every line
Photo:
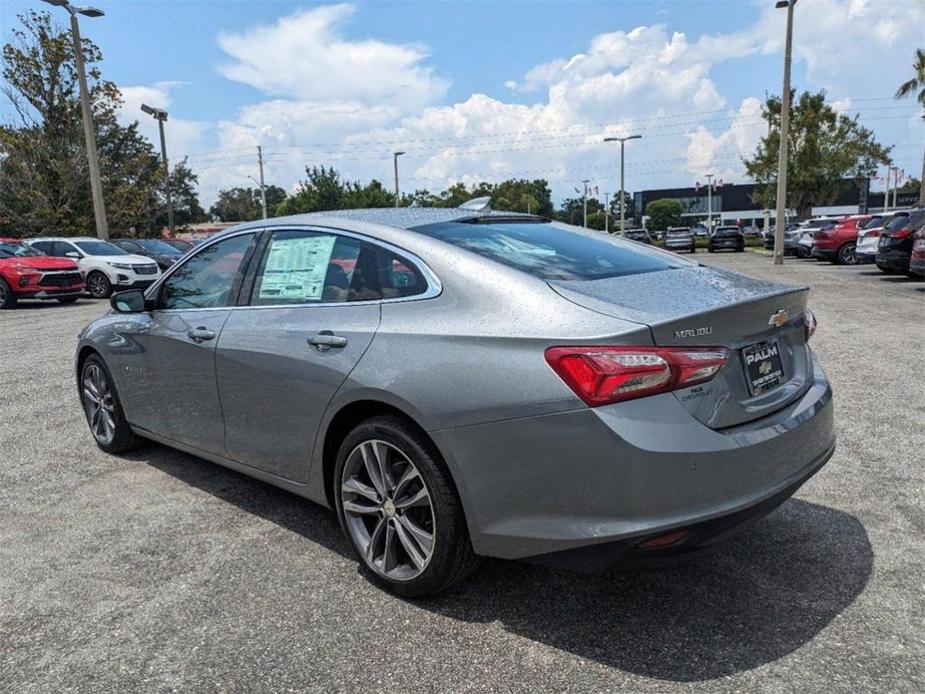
65, 268
886, 239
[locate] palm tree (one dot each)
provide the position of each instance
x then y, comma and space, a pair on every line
909, 88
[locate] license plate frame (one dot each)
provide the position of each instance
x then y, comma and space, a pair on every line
764, 368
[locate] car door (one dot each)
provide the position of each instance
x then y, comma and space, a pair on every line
169, 381
312, 311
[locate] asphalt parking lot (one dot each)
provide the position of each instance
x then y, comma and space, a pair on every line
163, 572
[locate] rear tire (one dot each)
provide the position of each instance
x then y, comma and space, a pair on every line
845, 255
7, 297
411, 549
98, 285
103, 409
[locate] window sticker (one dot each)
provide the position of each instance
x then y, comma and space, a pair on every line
296, 268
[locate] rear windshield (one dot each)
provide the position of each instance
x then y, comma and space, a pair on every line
157, 246
553, 251
874, 221
898, 222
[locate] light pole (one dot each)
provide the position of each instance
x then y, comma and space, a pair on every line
395, 156
96, 185
622, 141
160, 115
606, 213
781, 221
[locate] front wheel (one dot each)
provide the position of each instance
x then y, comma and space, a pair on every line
7, 297
98, 285
399, 510
103, 408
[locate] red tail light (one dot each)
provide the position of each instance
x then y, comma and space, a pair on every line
607, 374
902, 233
809, 324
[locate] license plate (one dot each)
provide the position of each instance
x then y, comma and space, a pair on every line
884, 240
763, 367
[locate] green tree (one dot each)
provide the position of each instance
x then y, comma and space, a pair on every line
664, 213
186, 208
916, 87
826, 148
44, 178
275, 196
237, 205
323, 189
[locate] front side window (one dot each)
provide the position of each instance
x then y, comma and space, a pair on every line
207, 279
304, 267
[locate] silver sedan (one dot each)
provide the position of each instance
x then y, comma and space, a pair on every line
458, 383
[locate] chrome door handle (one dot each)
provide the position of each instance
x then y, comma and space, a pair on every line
325, 339
198, 335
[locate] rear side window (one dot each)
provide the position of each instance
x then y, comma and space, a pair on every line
304, 267
899, 221
399, 277
553, 251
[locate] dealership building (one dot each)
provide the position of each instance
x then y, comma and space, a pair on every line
733, 203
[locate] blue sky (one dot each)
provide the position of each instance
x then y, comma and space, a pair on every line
485, 90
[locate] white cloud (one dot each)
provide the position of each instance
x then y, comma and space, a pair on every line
645, 80
305, 56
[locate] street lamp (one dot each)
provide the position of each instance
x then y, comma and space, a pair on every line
622, 141
395, 156
160, 115
96, 185
781, 222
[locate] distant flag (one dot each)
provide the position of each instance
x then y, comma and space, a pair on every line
697, 186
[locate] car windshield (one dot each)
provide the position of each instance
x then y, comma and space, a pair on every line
14, 249
157, 246
552, 251
99, 248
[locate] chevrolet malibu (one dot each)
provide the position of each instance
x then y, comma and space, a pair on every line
459, 383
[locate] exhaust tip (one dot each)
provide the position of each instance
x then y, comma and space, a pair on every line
665, 540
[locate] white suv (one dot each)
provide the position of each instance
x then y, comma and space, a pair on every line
865, 250
104, 267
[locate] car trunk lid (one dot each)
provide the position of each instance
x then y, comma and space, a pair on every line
760, 322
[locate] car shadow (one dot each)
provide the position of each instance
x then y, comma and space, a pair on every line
747, 602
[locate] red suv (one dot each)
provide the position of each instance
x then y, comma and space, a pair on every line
26, 273
837, 244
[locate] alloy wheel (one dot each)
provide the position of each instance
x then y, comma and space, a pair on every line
99, 403
388, 510
3, 295
846, 255
96, 285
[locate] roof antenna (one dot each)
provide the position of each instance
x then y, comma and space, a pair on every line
477, 204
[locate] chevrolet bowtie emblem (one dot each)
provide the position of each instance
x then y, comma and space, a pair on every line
779, 318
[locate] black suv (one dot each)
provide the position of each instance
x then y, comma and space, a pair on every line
727, 238
894, 249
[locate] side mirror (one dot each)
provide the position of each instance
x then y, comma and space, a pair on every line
130, 301
72, 254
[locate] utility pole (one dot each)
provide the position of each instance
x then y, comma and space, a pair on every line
263, 188
622, 141
886, 193
160, 115
709, 202
96, 184
395, 156
606, 213
584, 202
782, 154
896, 171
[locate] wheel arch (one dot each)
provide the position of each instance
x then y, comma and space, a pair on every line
82, 354
353, 413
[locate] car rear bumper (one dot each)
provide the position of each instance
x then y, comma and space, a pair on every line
823, 253
893, 260
620, 474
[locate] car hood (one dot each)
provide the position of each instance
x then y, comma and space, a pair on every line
39, 263
130, 259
